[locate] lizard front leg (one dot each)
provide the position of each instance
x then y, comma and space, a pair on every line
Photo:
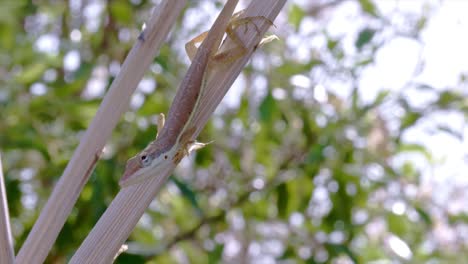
160, 123
188, 145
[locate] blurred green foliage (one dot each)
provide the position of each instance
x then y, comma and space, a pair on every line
289, 177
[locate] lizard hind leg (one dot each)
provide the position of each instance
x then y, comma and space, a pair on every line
238, 21
188, 144
240, 48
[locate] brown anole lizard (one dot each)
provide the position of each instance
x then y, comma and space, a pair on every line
173, 141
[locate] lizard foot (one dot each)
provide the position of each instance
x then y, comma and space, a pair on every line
188, 148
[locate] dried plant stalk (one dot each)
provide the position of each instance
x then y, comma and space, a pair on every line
75, 176
7, 255
116, 224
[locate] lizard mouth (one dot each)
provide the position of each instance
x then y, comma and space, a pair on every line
130, 169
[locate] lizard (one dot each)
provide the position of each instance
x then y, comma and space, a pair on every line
173, 140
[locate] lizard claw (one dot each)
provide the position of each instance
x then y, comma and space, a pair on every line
187, 149
267, 39
195, 145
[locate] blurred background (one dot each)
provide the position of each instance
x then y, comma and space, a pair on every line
343, 142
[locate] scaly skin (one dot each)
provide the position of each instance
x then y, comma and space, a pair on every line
168, 145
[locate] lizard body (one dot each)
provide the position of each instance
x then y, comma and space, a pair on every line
172, 141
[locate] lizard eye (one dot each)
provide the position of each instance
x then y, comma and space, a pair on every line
145, 160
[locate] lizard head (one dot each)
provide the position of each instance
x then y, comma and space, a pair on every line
134, 164
146, 164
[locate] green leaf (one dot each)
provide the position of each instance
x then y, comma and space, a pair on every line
121, 11
448, 98
215, 256
364, 37
14, 194
398, 225
315, 154
296, 14
425, 216
21, 140
84, 71
422, 22
31, 73
462, 217
451, 131
289, 68
332, 43
336, 250
414, 148
377, 102
127, 258
368, 7
409, 119
423, 87
282, 200
288, 253
7, 37
365, 62
267, 108
188, 194
9, 11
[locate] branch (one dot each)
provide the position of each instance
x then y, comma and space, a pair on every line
7, 255
116, 101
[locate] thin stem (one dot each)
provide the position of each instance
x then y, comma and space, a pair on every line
60, 203
7, 254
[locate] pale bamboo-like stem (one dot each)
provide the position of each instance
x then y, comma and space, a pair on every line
118, 221
7, 254
227, 74
116, 101
116, 224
